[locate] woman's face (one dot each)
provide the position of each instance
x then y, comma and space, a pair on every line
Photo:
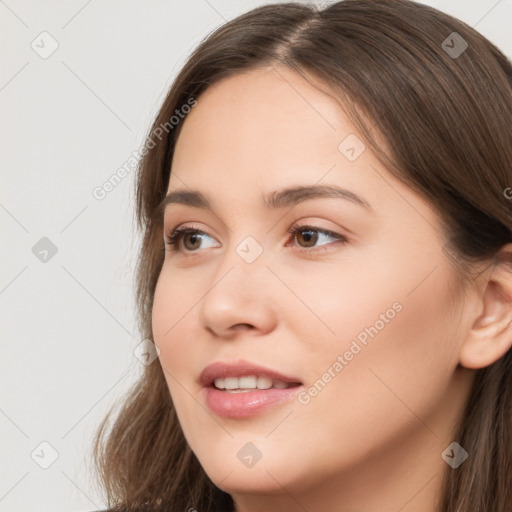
358, 307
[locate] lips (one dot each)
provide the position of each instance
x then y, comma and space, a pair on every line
241, 403
221, 370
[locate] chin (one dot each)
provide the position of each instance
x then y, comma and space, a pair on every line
253, 483
235, 478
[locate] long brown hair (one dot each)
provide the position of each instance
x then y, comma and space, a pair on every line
443, 103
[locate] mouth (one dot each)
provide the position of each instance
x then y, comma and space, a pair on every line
250, 383
244, 375
242, 389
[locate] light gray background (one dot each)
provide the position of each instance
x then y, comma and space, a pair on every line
68, 122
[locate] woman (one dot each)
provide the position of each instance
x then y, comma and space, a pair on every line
326, 271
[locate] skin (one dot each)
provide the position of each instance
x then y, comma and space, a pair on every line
372, 439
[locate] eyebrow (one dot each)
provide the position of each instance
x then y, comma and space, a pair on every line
275, 200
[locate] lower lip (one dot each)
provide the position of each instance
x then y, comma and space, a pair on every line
247, 403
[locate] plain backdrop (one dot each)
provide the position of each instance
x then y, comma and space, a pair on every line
80, 83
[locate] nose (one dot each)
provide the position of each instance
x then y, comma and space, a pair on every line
239, 298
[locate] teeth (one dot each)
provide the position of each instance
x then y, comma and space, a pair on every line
264, 383
248, 382
231, 382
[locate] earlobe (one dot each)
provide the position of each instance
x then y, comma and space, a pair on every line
490, 336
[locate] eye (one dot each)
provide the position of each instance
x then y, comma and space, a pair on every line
172, 240
309, 234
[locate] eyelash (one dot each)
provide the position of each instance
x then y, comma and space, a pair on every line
173, 239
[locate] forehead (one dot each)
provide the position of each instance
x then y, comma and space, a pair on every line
269, 120
273, 97
270, 129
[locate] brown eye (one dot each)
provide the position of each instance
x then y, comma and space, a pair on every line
309, 236
192, 239
195, 239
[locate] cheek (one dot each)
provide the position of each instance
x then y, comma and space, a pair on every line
171, 322
172, 331
398, 356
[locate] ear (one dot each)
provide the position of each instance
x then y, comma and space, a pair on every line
490, 336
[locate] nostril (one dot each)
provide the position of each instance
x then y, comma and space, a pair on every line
242, 327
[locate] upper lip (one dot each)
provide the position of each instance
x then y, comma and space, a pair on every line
221, 370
